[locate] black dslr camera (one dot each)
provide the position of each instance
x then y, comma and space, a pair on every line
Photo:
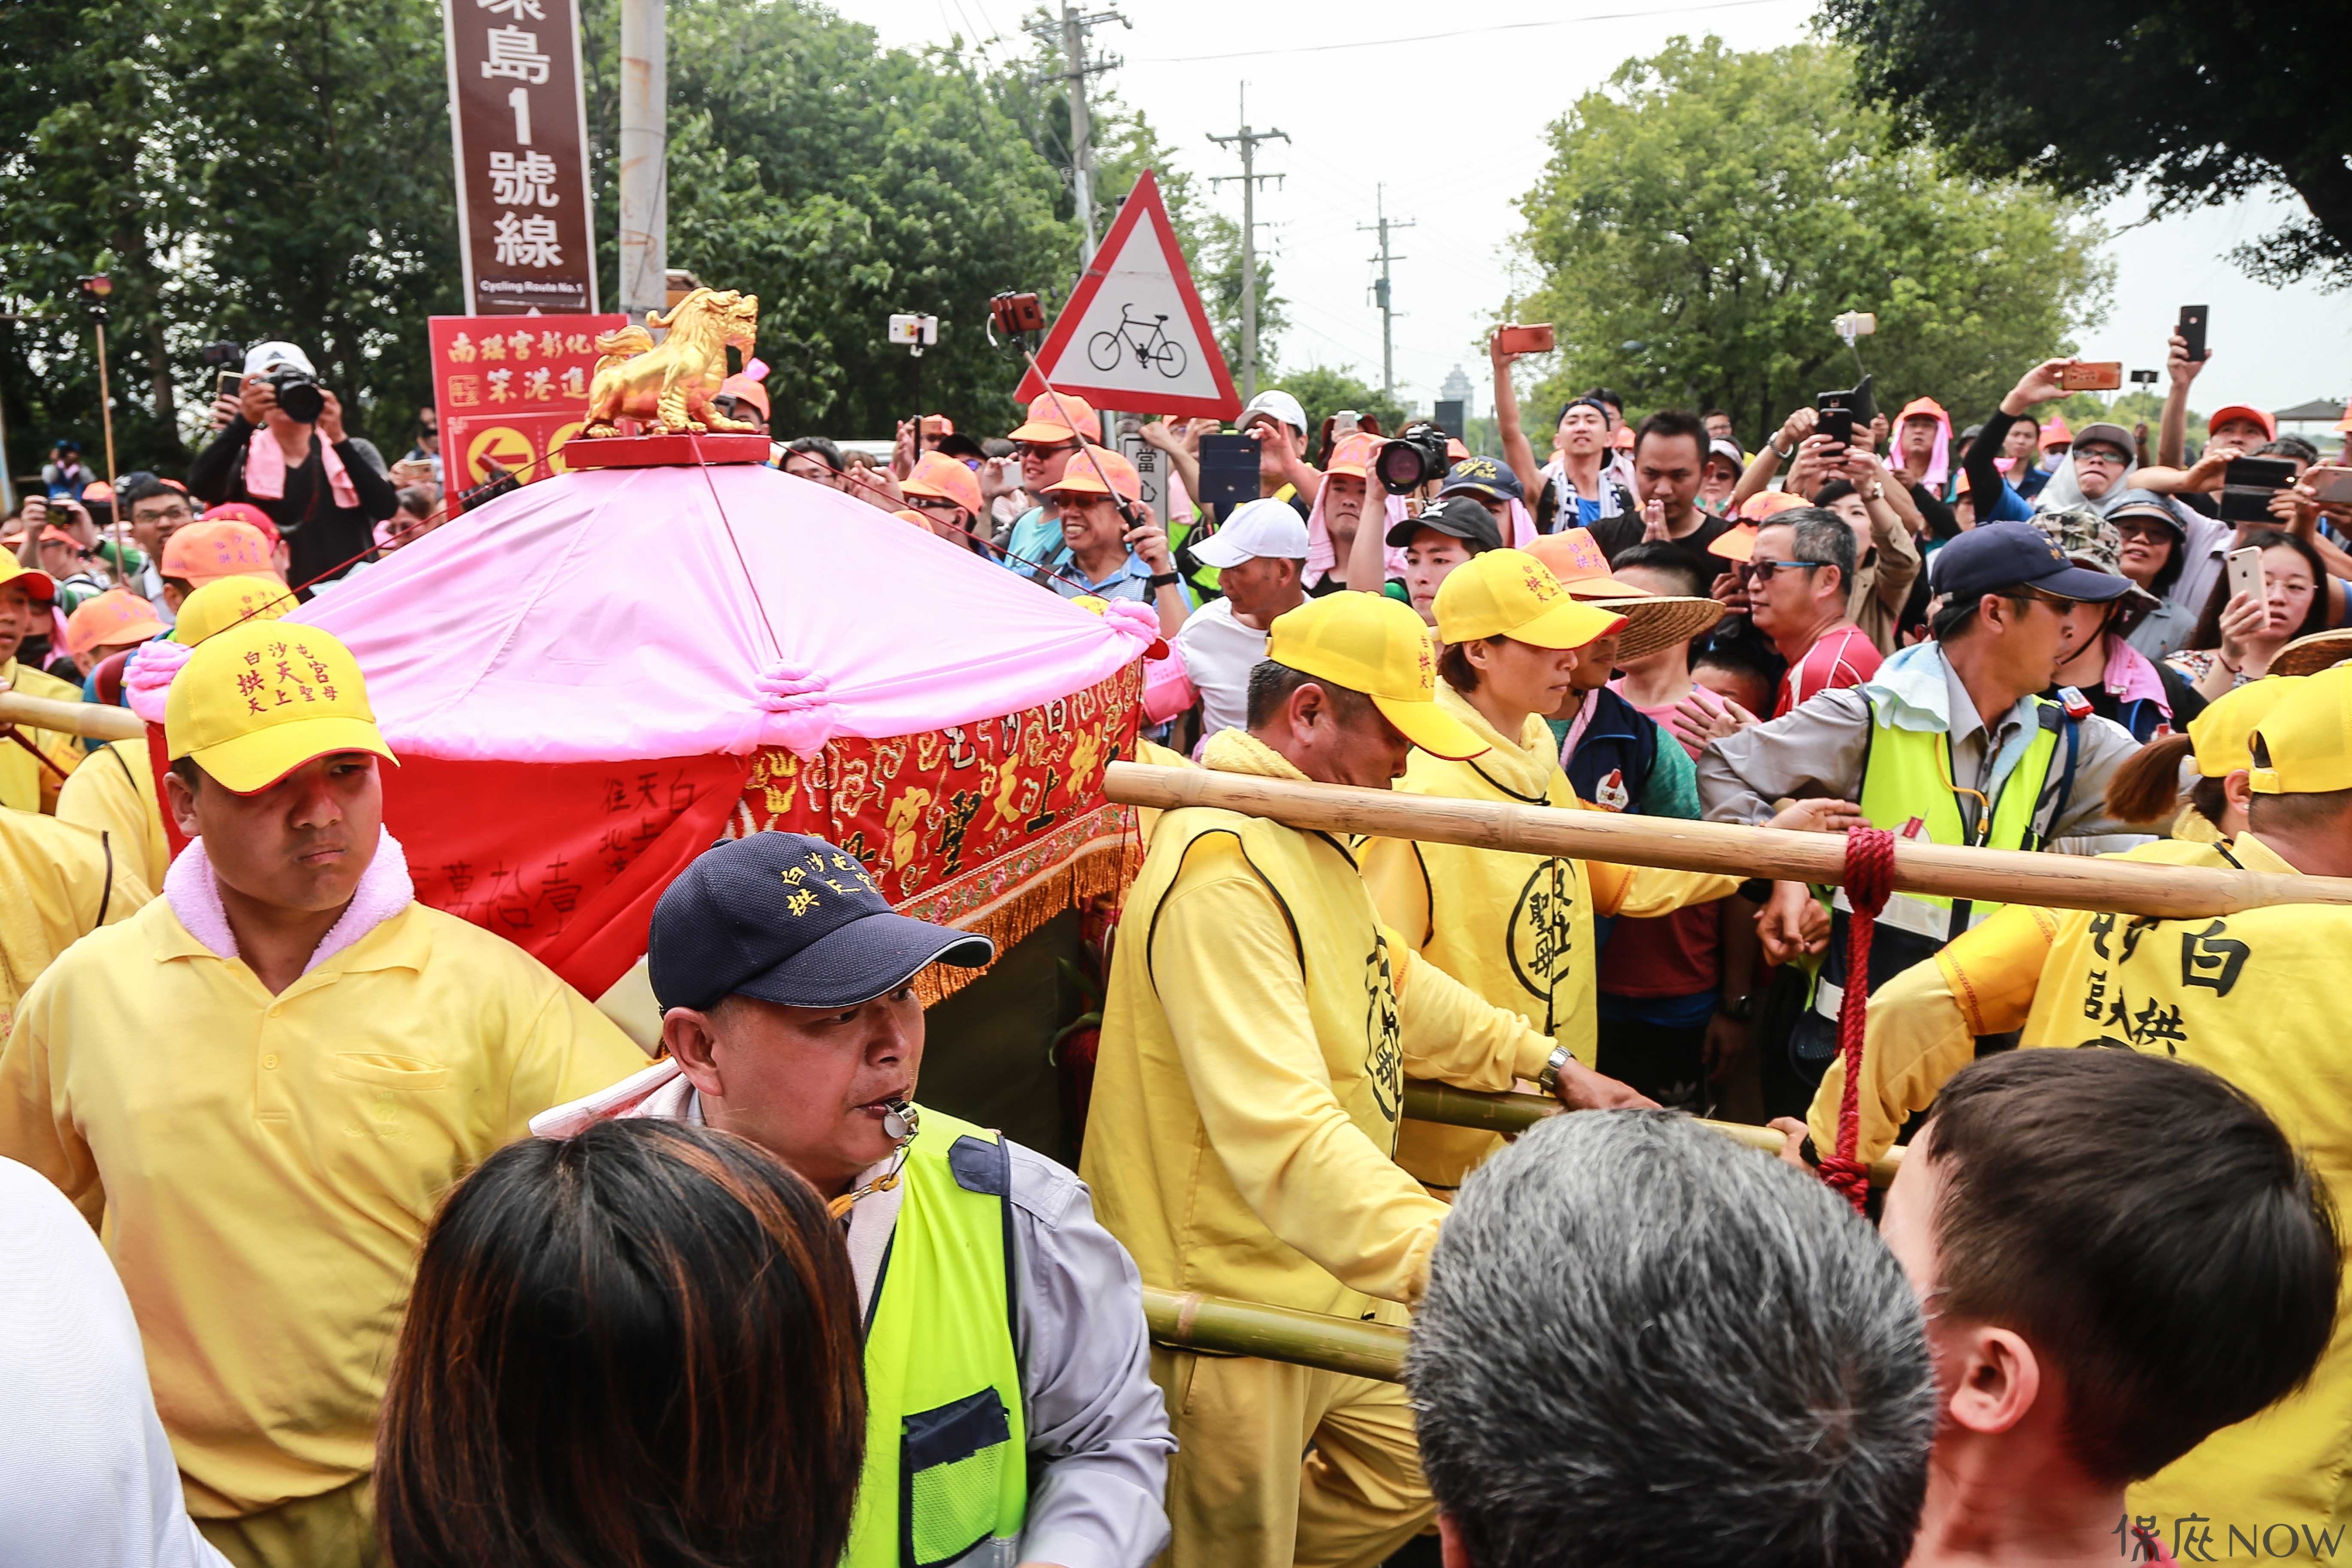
298, 393
1413, 459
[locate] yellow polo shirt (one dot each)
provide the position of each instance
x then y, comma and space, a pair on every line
24, 783
62, 882
261, 1169
115, 792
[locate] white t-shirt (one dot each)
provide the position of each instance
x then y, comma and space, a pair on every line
1219, 653
87, 1477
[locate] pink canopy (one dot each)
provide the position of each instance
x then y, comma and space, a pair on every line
588, 680
629, 614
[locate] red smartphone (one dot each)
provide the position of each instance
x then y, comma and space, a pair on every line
1535, 340
2092, 376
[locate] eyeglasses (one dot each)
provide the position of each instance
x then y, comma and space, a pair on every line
178, 512
2101, 456
2151, 532
1762, 570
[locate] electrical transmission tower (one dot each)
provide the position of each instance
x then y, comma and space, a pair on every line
1383, 224
1248, 140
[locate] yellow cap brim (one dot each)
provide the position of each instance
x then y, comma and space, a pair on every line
1566, 624
249, 763
1431, 727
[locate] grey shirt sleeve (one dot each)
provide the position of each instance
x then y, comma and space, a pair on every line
1816, 750
2104, 746
1097, 1430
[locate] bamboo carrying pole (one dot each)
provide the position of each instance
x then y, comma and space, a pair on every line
1986, 876
1452, 1107
1190, 1320
91, 721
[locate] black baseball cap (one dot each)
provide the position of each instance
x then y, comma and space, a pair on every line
1464, 517
1482, 476
786, 917
1999, 555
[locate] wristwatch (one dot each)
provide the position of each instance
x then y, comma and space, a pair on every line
1774, 447
1159, 580
1548, 1079
1740, 1009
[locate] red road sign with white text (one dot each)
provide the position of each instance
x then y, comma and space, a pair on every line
510, 390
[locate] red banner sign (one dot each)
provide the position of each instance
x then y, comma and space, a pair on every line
510, 392
526, 232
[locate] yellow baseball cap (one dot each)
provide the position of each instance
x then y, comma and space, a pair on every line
2307, 738
2221, 736
260, 699
1375, 645
225, 601
1510, 593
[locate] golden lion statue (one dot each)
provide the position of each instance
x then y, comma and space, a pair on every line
667, 389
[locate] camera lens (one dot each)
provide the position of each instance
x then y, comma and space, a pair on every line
1399, 467
299, 397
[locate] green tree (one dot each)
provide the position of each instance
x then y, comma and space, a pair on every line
916, 192
1706, 214
2204, 103
1323, 392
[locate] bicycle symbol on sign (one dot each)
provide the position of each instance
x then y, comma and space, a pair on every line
1149, 340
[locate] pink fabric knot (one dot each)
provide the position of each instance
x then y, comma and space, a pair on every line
800, 712
149, 676
1140, 622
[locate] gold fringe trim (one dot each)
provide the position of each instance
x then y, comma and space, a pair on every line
1105, 866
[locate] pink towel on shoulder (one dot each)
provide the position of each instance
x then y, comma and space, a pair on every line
264, 469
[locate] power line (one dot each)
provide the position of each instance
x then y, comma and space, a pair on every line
1466, 32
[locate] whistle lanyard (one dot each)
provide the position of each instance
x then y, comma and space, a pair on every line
1976, 839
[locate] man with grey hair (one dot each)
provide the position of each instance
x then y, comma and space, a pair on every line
1803, 563
1644, 1344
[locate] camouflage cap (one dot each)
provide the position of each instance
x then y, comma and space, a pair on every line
2089, 540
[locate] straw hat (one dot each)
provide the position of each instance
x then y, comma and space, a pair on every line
1653, 621
2309, 656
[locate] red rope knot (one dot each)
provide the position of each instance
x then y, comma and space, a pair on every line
1869, 878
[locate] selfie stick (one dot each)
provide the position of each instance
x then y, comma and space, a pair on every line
1133, 517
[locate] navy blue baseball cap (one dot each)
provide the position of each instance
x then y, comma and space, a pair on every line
786, 917
1464, 517
1482, 476
1998, 555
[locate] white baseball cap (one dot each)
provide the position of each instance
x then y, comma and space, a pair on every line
1281, 404
264, 357
1256, 528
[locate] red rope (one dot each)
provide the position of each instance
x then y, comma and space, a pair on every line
1869, 878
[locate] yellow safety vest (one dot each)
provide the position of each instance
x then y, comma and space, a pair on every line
947, 1467
1907, 775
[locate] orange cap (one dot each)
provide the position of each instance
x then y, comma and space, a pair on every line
1922, 409
1051, 416
1353, 454
947, 478
1079, 476
1455, 450
2055, 431
1736, 543
1575, 557
244, 512
204, 551
743, 389
909, 514
2243, 410
1623, 439
109, 620
1769, 503
939, 425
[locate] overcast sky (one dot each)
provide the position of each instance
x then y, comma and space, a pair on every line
1452, 126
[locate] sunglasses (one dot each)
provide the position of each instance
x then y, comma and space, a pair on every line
932, 503
1762, 570
1032, 450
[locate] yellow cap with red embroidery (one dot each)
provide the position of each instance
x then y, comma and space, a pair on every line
1510, 594
225, 601
1372, 644
260, 699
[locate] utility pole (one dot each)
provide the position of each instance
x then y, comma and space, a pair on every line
1070, 33
1248, 140
645, 159
1380, 287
